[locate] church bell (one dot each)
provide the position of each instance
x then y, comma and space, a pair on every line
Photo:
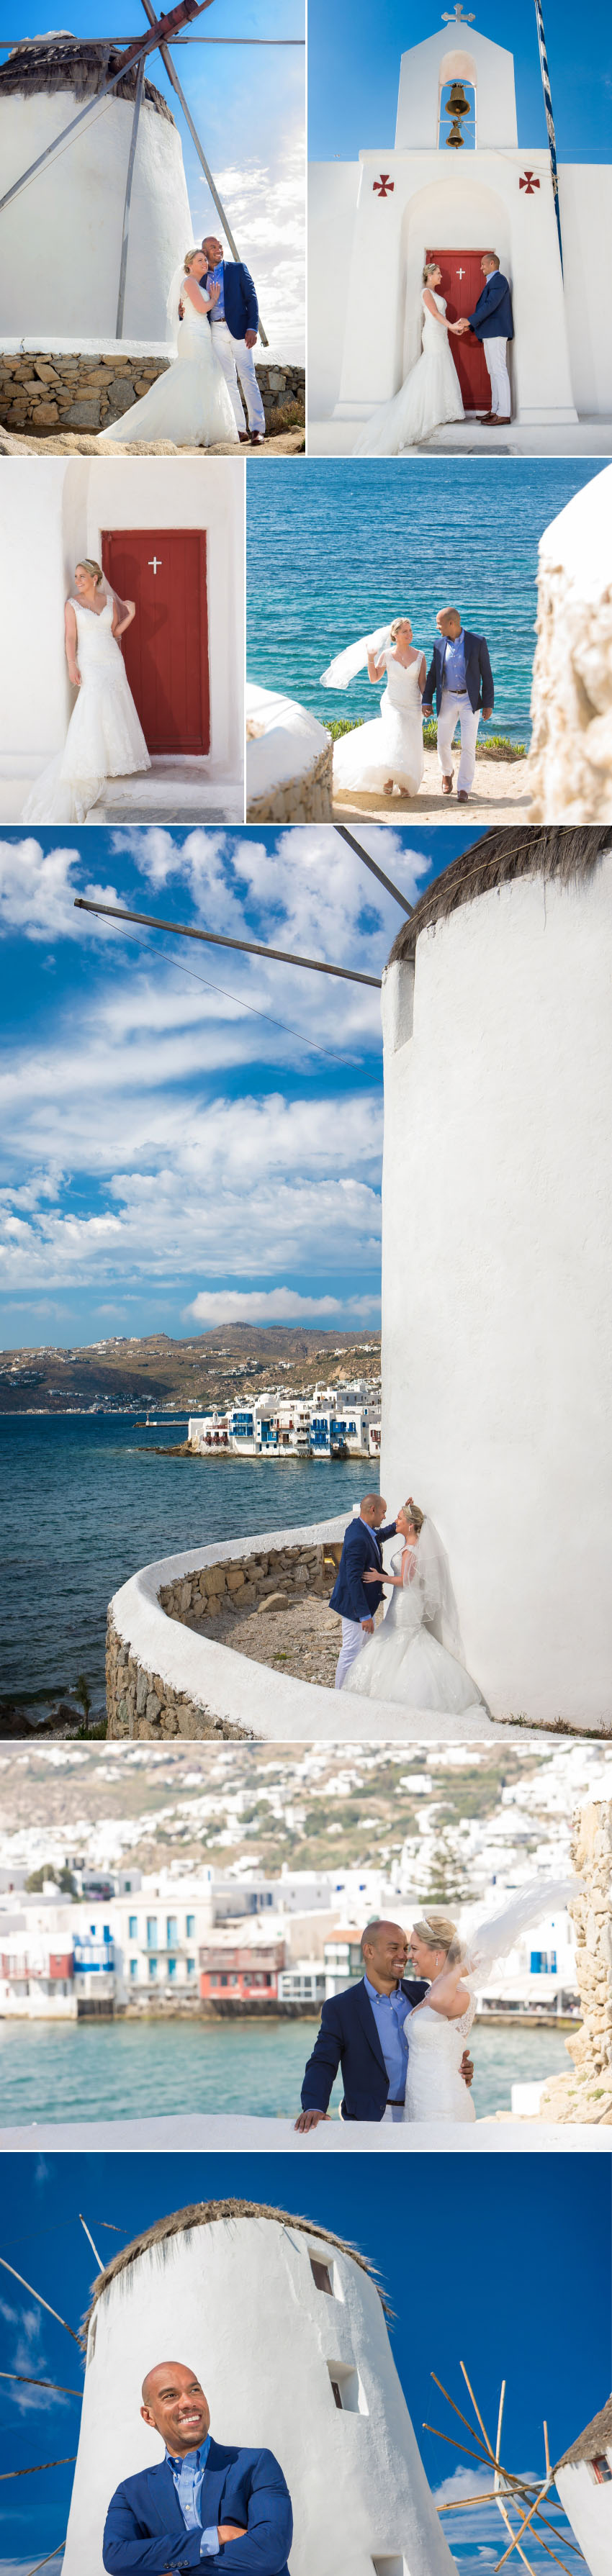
457, 105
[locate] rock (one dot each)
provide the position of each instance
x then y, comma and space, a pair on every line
83, 415
272, 1601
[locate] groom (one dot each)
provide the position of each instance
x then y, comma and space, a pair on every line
363, 2031
361, 1554
233, 321
204, 2500
492, 323
461, 679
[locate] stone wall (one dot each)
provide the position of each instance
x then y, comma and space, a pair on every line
48, 392
570, 767
587, 2094
305, 799
140, 1703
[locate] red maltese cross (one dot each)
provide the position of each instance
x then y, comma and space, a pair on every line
384, 186
529, 183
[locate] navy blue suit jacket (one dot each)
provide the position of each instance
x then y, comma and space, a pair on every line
362, 1548
492, 315
145, 2533
348, 2037
239, 297
478, 673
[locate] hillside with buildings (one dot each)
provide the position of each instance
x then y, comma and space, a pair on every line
211, 1369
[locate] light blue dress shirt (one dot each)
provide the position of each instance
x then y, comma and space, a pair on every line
215, 278
390, 2014
188, 2475
454, 662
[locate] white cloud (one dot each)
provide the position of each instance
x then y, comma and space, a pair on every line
265, 205
273, 1306
37, 891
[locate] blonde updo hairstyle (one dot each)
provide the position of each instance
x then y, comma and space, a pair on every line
414, 1515
198, 253
438, 1932
430, 269
86, 564
397, 622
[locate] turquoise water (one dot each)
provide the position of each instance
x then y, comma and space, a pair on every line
110, 2070
82, 1505
341, 547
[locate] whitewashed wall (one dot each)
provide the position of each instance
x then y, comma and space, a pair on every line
589, 2509
585, 203
61, 237
237, 2301
52, 518
332, 198
497, 1246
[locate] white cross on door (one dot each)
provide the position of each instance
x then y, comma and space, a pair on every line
155, 563
461, 272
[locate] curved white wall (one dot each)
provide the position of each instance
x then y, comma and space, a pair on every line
497, 1250
589, 2510
236, 2300
61, 237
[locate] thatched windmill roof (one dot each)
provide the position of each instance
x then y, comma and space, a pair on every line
591, 2444
494, 860
204, 2213
61, 62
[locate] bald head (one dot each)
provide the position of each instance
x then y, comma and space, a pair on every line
384, 1950
173, 2403
372, 1509
449, 622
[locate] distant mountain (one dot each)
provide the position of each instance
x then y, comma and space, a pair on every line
154, 1370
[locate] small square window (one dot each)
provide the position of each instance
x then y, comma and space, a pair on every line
347, 2389
321, 2275
602, 2471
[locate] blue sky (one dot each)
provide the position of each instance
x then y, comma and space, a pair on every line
172, 1156
354, 59
247, 103
503, 2272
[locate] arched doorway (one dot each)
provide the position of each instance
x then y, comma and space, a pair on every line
462, 283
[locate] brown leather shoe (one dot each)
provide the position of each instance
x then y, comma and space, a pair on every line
447, 785
499, 420
244, 437
462, 796
258, 437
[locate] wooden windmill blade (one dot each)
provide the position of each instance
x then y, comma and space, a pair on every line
180, 94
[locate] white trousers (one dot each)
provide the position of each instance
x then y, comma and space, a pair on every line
353, 1638
451, 708
495, 356
236, 360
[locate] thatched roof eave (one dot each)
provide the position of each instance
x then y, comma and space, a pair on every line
591, 2444
49, 64
204, 2213
496, 859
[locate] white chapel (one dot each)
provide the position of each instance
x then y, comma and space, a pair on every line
456, 182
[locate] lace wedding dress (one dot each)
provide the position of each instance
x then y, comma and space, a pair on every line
104, 738
392, 745
405, 1660
429, 396
435, 2089
190, 403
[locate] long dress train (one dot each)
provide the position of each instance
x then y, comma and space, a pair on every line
105, 737
429, 396
391, 745
405, 1661
189, 404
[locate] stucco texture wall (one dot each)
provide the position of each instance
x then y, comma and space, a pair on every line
497, 1242
61, 237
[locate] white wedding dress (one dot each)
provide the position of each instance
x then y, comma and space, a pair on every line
391, 746
105, 737
406, 1660
435, 2089
189, 404
429, 396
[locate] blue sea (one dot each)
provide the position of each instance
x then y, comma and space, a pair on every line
112, 2070
341, 547
84, 1502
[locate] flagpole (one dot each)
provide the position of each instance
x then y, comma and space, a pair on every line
552, 144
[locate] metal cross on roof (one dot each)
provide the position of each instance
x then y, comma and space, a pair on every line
133, 58
460, 18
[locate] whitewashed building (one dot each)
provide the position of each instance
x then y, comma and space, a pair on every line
286, 2328
61, 236
497, 1204
374, 222
583, 2481
168, 528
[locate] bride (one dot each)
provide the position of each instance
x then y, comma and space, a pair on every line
105, 737
415, 1656
430, 394
438, 2028
387, 752
190, 403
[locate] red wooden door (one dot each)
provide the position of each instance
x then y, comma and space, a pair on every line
462, 283
166, 648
